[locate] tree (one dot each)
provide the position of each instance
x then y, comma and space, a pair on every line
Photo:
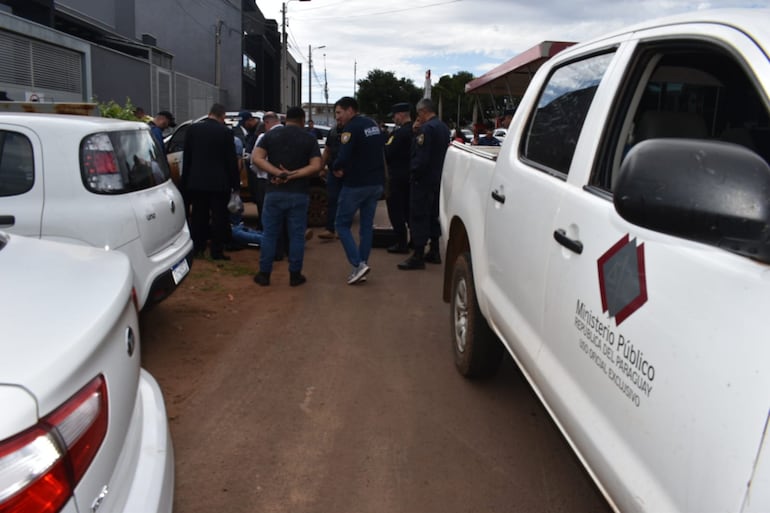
381, 89
112, 110
449, 93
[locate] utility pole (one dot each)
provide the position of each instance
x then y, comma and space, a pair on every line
309, 82
310, 79
284, 61
326, 93
218, 54
284, 95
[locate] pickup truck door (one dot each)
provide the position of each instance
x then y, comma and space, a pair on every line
654, 346
527, 189
521, 202
21, 181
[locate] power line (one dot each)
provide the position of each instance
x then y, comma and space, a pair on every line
392, 11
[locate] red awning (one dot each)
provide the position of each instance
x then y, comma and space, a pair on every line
512, 78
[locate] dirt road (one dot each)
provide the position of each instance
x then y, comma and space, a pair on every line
332, 398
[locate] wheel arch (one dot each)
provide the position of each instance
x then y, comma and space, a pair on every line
457, 243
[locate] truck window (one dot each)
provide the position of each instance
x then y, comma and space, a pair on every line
684, 90
555, 125
17, 170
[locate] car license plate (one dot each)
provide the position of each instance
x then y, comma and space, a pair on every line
180, 270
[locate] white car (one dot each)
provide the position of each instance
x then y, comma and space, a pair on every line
83, 427
97, 182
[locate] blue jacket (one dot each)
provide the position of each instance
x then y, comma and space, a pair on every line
429, 151
361, 154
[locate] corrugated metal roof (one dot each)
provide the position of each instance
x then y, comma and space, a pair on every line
512, 77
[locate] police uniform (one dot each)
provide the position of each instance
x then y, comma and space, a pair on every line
361, 160
428, 153
398, 152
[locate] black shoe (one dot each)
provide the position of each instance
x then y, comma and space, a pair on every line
296, 279
411, 263
262, 279
398, 248
219, 256
432, 257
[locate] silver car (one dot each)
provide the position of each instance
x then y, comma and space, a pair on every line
83, 427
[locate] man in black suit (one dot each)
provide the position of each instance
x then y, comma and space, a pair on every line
209, 173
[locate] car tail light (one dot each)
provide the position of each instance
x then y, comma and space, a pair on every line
40, 467
99, 163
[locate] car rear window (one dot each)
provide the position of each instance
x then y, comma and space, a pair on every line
121, 162
17, 170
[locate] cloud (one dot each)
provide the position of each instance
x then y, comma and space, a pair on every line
408, 37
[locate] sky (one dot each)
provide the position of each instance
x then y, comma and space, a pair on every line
409, 37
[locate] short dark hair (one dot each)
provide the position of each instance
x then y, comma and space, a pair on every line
295, 114
218, 110
346, 102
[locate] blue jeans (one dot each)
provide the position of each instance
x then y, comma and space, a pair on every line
350, 200
291, 206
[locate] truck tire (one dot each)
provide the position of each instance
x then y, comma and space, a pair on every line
477, 350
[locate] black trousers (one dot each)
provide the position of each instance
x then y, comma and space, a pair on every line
423, 214
258, 193
209, 220
398, 205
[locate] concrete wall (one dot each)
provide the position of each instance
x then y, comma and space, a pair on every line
187, 30
117, 76
190, 36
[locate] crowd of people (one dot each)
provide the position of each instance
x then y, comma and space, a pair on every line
360, 161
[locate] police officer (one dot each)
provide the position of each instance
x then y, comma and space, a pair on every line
430, 146
398, 151
360, 165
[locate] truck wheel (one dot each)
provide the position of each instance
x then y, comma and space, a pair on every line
477, 350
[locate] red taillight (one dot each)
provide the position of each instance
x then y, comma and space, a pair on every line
40, 467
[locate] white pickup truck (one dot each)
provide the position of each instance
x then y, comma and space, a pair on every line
618, 247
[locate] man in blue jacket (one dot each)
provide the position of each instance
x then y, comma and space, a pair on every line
429, 151
360, 166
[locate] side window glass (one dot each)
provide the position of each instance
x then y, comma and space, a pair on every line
17, 166
688, 90
555, 126
176, 143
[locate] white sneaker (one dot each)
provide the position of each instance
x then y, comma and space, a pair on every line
358, 273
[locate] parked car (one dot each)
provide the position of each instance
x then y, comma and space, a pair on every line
97, 182
500, 134
175, 152
83, 427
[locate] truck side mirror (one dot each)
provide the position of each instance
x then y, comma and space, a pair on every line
711, 192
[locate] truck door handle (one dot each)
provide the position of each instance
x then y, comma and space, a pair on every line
7, 220
573, 245
498, 197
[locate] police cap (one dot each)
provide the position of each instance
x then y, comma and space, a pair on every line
399, 107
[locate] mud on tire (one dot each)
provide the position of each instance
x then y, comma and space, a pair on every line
477, 350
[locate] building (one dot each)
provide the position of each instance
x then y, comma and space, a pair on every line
161, 54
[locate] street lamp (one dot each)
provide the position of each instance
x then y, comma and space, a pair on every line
310, 79
285, 58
